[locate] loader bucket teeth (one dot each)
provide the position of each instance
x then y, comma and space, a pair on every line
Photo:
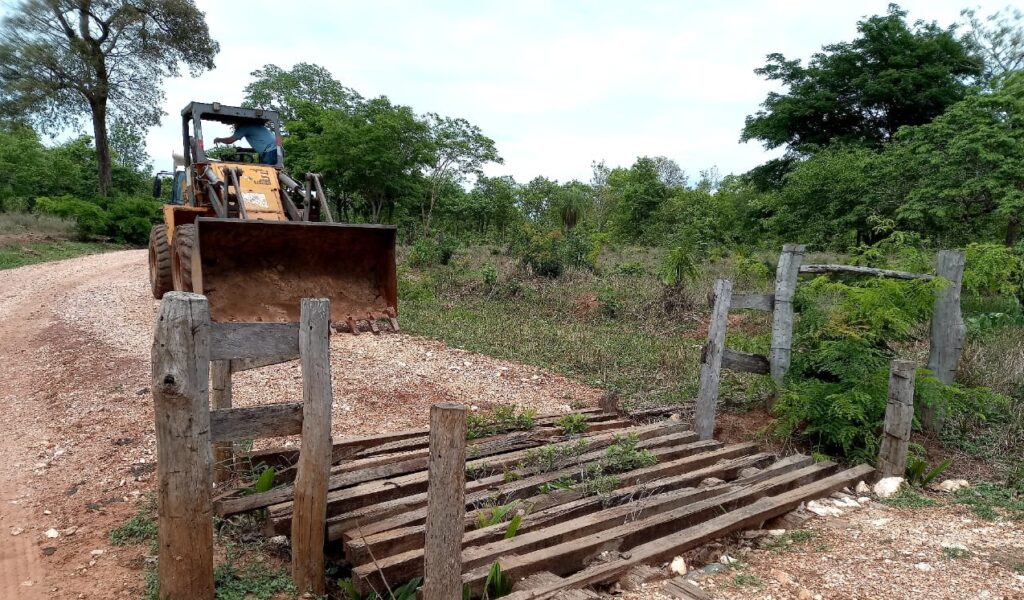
261, 270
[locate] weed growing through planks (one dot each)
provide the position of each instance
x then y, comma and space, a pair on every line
495, 515
992, 501
955, 552
572, 424
406, 591
562, 483
139, 528
553, 457
623, 455
504, 418
909, 498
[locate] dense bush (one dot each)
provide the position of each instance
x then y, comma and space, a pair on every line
835, 394
427, 252
125, 220
549, 253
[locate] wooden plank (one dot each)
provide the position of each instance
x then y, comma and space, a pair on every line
683, 589
765, 302
572, 555
181, 371
664, 548
310, 505
255, 422
400, 561
786, 275
899, 418
381, 467
232, 341
711, 362
744, 362
948, 332
245, 364
374, 516
446, 503
855, 270
220, 398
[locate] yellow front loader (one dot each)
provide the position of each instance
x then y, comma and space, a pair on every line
255, 242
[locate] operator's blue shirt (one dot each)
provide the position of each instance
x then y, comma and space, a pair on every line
259, 137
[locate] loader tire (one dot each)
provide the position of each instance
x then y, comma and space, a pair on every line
184, 242
160, 279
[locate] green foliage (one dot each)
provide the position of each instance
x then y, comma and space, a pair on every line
955, 552
572, 424
122, 219
504, 418
498, 583
861, 92
420, 289
489, 276
918, 474
992, 270
256, 582
992, 501
632, 269
746, 580
495, 515
138, 529
623, 455
427, 252
91, 219
552, 457
679, 267
513, 526
548, 254
909, 498
787, 540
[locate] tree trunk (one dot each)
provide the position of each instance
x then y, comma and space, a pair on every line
1013, 230
99, 128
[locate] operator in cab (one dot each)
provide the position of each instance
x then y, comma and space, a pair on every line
258, 137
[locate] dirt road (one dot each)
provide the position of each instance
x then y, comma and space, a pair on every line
77, 448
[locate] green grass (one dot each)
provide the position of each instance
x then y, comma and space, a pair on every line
138, 529
746, 580
20, 255
908, 498
992, 502
787, 540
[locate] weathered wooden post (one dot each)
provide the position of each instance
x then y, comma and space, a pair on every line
446, 504
899, 417
948, 330
711, 362
220, 397
314, 468
782, 319
181, 369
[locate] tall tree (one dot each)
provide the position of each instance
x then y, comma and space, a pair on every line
861, 92
459, 149
63, 59
284, 91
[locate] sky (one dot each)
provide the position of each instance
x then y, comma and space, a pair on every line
556, 84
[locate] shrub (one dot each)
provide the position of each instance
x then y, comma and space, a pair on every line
489, 275
90, 219
543, 254
415, 290
504, 418
130, 219
992, 269
428, 252
679, 267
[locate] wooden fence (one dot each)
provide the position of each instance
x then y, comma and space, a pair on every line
189, 350
945, 343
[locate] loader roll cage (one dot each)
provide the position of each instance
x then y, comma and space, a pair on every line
196, 112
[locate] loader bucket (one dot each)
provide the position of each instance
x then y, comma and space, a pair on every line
261, 270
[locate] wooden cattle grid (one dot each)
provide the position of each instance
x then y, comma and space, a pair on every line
376, 504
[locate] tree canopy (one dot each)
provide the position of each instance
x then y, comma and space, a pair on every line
861, 92
61, 60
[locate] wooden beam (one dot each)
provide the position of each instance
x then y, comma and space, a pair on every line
391, 554
310, 506
765, 302
446, 503
181, 372
734, 360
711, 362
244, 364
899, 417
948, 332
255, 422
855, 270
232, 341
786, 275
664, 548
